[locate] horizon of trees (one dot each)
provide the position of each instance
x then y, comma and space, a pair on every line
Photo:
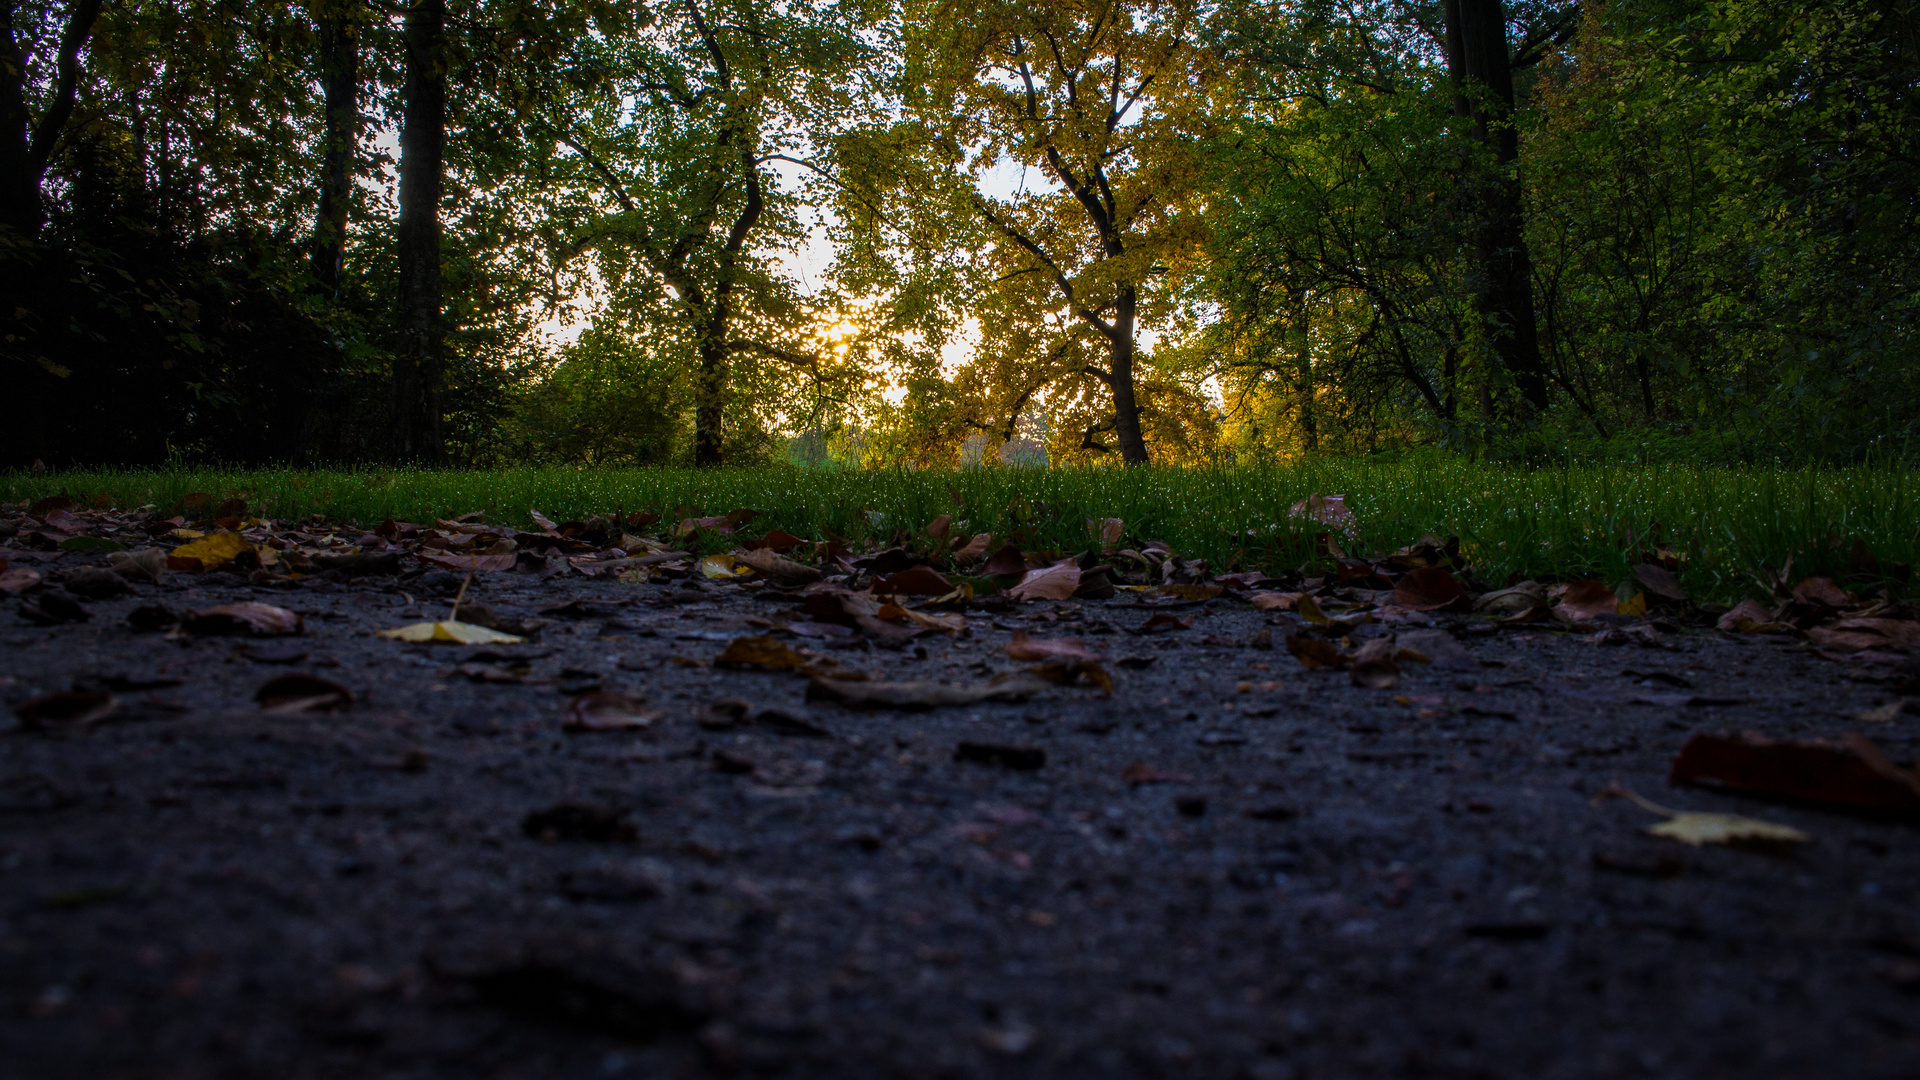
324, 231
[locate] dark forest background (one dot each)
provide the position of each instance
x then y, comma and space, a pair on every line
931, 232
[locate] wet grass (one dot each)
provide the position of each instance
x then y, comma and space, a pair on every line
1728, 524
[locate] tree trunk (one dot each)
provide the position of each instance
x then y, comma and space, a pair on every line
340, 81
1126, 410
710, 408
27, 147
1482, 74
1303, 386
423, 136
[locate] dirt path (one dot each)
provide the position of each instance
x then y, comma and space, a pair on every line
1232, 867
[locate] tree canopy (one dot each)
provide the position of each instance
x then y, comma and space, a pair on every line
956, 231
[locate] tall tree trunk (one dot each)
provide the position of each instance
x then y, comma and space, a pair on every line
1303, 386
423, 137
25, 146
340, 81
1481, 70
1126, 409
710, 400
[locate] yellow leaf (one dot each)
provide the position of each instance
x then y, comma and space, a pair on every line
1697, 829
457, 633
1635, 606
720, 567
1309, 609
216, 550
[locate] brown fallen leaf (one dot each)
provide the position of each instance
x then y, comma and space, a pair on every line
1015, 686
1315, 653
1431, 588
1888, 713
777, 541
973, 549
1519, 603
762, 651
147, 564
1110, 530
1748, 617
1161, 622
1848, 773
777, 567
286, 695
1274, 601
914, 581
1006, 561
1659, 581
607, 711
1023, 647
1587, 599
1821, 590
18, 580
1056, 582
1069, 672
76, 708
938, 528
1325, 509
1183, 592
246, 617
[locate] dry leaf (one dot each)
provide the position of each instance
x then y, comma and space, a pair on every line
449, 632
147, 564
71, 709
777, 567
1519, 603
247, 617
762, 651
1274, 601
1315, 653
600, 711
1748, 617
1885, 714
1851, 773
1822, 591
722, 568
1056, 582
1659, 581
1023, 647
914, 581
1430, 588
974, 548
1016, 686
286, 695
1698, 829
211, 551
18, 580
1587, 599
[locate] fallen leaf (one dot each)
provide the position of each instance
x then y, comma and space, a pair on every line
1274, 601
914, 581
1431, 588
950, 623
1698, 829
721, 568
52, 609
1748, 617
215, 550
937, 529
777, 567
1023, 647
1438, 648
1635, 606
1886, 714
777, 541
1309, 609
1519, 603
1325, 509
1842, 774
1659, 581
605, 711
1161, 622
1587, 599
973, 549
1183, 592
246, 617
1315, 653
94, 583
455, 633
68, 709
1056, 582
147, 564
286, 695
1823, 591
1069, 672
18, 580
924, 695
484, 564
1006, 561
762, 651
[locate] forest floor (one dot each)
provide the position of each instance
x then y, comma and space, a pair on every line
1232, 866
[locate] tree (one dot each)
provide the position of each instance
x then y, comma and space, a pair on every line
339, 24
26, 144
423, 134
1102, 98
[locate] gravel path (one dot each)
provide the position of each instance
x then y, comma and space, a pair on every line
1230, 867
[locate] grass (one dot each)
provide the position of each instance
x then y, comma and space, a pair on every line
1728, 523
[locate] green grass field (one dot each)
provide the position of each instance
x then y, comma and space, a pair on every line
1572, 523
